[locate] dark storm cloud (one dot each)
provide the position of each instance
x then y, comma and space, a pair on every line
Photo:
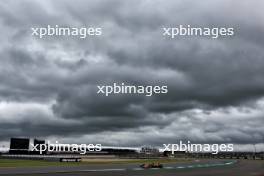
201, 73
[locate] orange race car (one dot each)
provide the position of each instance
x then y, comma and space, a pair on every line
151, 165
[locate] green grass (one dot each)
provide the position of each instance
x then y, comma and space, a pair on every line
136, 161
39, 163
29, 163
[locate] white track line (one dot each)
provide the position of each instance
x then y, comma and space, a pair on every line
178, 167
102, 170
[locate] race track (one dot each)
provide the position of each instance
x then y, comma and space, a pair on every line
196, 168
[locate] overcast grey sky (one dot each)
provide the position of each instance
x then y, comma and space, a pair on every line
216, 86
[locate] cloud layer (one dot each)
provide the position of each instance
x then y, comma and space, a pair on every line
216, 86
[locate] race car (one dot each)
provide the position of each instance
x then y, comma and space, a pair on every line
151, 165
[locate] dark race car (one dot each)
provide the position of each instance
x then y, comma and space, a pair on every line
151, 165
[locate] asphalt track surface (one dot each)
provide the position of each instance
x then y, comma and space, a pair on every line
197, 168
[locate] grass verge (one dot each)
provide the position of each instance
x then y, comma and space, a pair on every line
38, 163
